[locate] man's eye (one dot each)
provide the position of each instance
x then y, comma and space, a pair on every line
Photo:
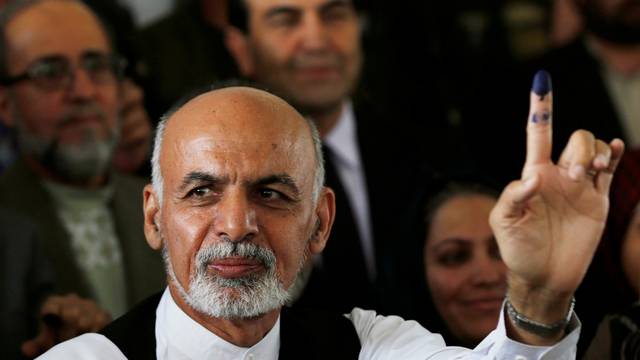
199, 192
268, 194
284, 20
49, 70
337, 14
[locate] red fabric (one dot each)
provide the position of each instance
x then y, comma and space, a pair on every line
625, 196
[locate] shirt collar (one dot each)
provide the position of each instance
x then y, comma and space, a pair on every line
194, 341
342, 139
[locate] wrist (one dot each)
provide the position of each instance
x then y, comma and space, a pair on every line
536, 328
539, 304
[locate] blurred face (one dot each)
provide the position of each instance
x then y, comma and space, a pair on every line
237, 218
630, 253
465, 274
70, 129
307, 51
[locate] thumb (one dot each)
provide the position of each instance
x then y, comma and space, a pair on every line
514, 199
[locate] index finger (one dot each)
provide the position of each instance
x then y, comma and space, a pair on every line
539, 123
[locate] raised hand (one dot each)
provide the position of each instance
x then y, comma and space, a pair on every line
548, 223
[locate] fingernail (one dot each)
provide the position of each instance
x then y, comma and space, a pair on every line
601, 160
541, 84
576, 172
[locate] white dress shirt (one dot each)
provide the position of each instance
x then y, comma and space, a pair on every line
390, 338
343, 142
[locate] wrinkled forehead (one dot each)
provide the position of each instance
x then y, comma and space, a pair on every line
254, 131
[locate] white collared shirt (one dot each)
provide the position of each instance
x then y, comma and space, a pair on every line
179, 337
343, 142
381, 338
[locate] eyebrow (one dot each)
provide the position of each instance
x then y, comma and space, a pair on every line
449, 241
282, 179
284, 9
335, 4
199, 177
291, 9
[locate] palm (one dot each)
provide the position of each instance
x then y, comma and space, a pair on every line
548, 225
551, 241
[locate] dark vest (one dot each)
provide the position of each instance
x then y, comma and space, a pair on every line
304, 334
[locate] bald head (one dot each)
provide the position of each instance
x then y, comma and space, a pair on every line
239, 122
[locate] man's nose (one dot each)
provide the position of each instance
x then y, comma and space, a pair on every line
313, 33
81, 86
235, 218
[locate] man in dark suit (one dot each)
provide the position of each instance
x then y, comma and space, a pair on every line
61, 92
310, 53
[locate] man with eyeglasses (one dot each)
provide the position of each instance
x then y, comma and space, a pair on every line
61, 90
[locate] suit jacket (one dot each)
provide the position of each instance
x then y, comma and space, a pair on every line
395, 166
22, 192
303, 334
25, 280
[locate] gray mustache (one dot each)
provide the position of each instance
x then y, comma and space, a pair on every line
82, 110
232, 249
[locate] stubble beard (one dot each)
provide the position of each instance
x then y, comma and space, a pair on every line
72, 162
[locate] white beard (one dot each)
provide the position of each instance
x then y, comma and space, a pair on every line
239, 298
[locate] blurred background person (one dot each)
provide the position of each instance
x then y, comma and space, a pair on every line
618, 265
460, 279
311, 53
61, 93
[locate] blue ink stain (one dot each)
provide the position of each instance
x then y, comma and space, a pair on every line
541, 84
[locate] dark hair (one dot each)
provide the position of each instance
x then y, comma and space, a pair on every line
238, 15
452, 189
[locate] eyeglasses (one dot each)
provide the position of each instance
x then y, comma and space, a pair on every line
56, 72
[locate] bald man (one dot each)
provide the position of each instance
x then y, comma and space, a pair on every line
237, 204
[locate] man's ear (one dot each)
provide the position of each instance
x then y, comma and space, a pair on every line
326, 213
238, 45
151, 209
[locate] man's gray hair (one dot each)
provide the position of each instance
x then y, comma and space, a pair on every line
156, 173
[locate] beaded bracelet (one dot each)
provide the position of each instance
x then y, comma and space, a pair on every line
535, 327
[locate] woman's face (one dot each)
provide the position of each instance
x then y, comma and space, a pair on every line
464, 271
630, 252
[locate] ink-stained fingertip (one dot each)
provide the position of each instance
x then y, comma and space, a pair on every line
541, 83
